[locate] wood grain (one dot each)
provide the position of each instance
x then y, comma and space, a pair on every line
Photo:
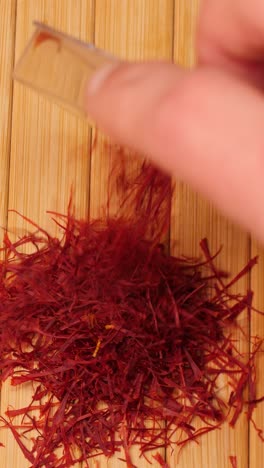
139, 29
45, 151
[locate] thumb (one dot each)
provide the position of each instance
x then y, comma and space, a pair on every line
122, 97
205, 126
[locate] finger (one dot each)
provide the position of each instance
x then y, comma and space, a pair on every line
231, 34
204, 126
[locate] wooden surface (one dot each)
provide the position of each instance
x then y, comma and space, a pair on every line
44, 151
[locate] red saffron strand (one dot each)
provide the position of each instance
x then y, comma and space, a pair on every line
44, 36
160, 460
115, 334
233, 461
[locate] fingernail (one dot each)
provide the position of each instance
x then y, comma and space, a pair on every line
99, 78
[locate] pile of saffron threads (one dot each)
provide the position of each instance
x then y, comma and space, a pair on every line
116, 336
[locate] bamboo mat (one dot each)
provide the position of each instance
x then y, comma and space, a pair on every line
44, 151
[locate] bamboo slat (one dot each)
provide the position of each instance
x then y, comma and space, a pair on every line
193, 219
132, 30
7, 44
49, 155
257, 329
138, 29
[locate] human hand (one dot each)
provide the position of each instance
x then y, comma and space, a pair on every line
205, 126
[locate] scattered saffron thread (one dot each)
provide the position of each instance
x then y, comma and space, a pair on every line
44, 36
233, 461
